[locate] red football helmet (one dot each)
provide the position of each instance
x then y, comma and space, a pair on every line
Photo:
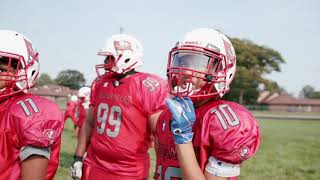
19, 63
203, 64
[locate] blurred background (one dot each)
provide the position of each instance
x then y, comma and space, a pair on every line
277, 63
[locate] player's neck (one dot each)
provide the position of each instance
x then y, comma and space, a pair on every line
127, 74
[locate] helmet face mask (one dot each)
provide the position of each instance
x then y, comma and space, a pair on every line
109, 63
199, 68
122, 53
19, 64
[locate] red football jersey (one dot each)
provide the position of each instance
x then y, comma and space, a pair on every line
28, 121
72, 106
121, 134
223, 129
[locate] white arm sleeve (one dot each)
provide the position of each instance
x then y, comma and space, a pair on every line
222, 169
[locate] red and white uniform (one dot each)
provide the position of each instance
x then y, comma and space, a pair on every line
121, 134
223, 130
29, 125
72, 106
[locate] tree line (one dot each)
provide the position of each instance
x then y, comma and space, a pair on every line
70, 78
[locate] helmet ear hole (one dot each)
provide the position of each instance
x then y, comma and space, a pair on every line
208, 77
32, 73
127, 60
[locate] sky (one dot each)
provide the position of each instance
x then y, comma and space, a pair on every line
69, 33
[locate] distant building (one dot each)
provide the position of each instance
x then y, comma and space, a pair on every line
284, 102
59, 94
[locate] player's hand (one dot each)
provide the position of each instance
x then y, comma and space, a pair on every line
76, 168
183, 115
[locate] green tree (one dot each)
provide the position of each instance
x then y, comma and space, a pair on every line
71, 78
253, 61
309, 92
44, 79
316, 95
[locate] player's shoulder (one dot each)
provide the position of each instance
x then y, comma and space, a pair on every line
143, 76
25, 104
149, 82
97, 81
221, 104
222, 109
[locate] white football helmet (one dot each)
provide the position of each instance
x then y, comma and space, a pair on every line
203, 64
84, 96
84, 92
122, 53
17, 53
74, 98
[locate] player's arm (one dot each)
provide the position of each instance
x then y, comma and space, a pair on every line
40, 128
183, 118
34, 167
189, 165
153, 118
83, 142
152, 98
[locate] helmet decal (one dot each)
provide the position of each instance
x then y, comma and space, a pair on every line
122, 46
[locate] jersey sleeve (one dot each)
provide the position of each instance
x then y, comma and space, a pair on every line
40, 122
234, 132
152, 93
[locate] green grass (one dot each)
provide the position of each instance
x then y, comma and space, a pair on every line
68, 146
287, 113
290, 149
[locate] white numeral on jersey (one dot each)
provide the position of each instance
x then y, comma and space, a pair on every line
150, 84
102, 115
223, 108
171, 172
25, 107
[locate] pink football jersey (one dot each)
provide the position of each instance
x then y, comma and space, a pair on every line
223, 129
28, 122
121, 134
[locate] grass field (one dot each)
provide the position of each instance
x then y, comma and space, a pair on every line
290, 149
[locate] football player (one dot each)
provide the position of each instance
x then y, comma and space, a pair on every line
71, 109
125, 105
201, 136
83, 106
30, 126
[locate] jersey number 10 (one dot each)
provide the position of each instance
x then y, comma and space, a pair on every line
102, 116
232, 121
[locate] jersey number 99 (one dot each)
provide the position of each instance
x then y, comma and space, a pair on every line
114, 119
